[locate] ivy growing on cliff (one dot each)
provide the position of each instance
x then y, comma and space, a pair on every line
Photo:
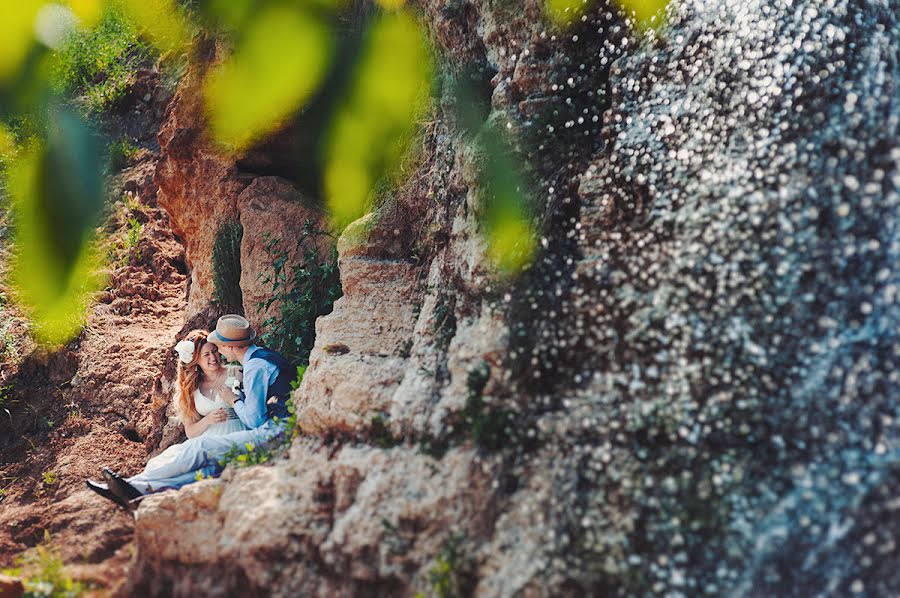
226, 259
43, 572
299, 294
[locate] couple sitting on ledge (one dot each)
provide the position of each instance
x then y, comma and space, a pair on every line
222, 409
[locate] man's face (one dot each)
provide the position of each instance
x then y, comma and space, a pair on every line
225, 351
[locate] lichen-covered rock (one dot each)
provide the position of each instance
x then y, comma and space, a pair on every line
694, 384
733, 294
319, 523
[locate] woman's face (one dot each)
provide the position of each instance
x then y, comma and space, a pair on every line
209, 362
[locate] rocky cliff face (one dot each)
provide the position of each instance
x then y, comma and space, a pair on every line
694, 384
202, 188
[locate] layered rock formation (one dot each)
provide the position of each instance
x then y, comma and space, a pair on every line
203, 188
693, 385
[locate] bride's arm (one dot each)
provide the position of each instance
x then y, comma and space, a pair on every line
199, 427
196, 428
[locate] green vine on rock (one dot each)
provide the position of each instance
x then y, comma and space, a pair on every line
300, 294
226, 258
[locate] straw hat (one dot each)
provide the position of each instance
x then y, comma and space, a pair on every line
232, 329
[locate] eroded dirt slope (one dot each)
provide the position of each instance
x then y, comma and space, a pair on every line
98, 401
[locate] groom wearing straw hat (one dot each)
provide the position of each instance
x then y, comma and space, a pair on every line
261, 404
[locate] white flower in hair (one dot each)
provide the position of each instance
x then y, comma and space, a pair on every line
185, 350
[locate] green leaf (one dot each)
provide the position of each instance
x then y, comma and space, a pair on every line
646, 13
57, 196
161, 21
278, 63
17, 33
372, 129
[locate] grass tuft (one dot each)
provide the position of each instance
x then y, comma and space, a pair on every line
100, 64
44, 573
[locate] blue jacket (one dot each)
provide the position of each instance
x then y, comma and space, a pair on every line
266, 374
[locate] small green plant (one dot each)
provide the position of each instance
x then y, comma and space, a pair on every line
73, 412
490, 427
434, 446
49, 477
226, 256
133, 238
451, 575
444, 318
296, 382
301, 295
245, 456
44, 574
131, 202
8, 349
380, 433
121, 153
292, 430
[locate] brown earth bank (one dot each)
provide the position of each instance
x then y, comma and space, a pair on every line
97, 401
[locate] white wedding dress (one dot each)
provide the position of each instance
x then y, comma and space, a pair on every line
204, 406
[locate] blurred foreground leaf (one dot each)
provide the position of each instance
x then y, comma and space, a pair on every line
511, 243
391, 4
646, 13
278, 63
87, 11
16, 35
161, 21
507, 219
505, 215
237, 14
231, 13
374, 125
564, 12
57, 195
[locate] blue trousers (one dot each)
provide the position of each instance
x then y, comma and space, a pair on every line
180, 464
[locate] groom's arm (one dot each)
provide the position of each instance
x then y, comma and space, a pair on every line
251, 403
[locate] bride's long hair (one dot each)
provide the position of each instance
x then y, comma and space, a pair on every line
189, 378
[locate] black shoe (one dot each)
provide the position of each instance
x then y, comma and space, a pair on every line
103, 490
121, 488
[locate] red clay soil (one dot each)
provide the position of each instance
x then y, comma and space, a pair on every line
98, 401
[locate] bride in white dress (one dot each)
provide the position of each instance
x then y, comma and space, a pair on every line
202, 382
201, 385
